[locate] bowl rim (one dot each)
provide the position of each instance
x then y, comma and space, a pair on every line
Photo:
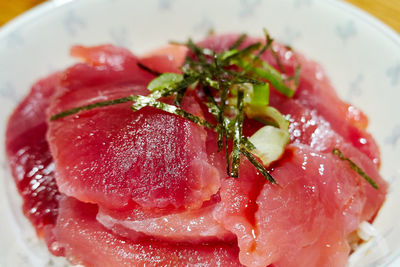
45, 7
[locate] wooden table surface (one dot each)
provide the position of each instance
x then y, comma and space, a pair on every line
387, 11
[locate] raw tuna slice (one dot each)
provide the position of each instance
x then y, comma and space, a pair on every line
116, 157
191, 226
110, 72
309, 128
166, 59
318, 202
113, 56
314, 92
30, 160
87, 242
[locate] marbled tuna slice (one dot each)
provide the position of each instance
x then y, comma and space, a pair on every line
87, 242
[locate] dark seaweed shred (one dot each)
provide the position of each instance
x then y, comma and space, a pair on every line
355, 168
149, 70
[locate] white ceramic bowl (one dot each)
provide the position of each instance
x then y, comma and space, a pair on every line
360, 54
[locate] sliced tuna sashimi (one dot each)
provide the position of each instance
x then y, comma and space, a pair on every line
190, 226
87, 242
109, 72
116, 157
315, 192
166, 59
110, 55
30, 160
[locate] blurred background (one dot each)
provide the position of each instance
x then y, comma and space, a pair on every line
387, 11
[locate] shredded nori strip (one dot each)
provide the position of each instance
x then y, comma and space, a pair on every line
238, 42
143, 101
258, 165
237, 136
149, 70
354, 167
92, 106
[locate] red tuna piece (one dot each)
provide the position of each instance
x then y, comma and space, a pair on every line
166, 59
30, 160
318, 202
191, 226
114, 156
87, 242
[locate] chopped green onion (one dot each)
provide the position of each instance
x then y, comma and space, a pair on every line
260, 95
255, 112
242, 53
212, 83
227, 54
270, 74
270, 143
165, 80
